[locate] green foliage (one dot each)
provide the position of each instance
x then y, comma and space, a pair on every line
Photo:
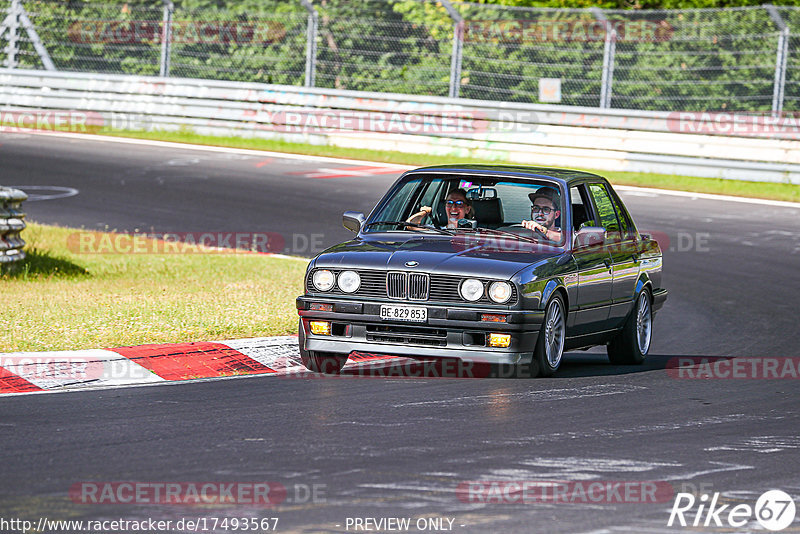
683, 60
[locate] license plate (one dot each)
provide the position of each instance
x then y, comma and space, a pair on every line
404, 313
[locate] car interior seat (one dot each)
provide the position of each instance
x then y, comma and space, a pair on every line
578, 216
488, 212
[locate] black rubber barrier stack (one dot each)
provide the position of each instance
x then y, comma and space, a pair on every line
12, 222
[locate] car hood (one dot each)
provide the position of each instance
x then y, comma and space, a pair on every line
463, 254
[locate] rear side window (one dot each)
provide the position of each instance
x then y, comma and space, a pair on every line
605, 207
626, 224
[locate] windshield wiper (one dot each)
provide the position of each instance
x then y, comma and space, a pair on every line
413, 225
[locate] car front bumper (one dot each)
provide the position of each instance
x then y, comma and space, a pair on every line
449, 332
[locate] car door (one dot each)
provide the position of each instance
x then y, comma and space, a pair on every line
595, 279
621, 247
627, 264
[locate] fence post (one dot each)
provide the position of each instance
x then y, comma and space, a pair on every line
311, 43
779, 85
609, 51
34, 37
458, 40
11, 24
166, 37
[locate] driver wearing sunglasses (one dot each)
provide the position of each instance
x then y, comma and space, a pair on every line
544, 212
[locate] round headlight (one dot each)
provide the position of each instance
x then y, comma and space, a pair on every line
471, 289
500, 292
349, 281
323, 280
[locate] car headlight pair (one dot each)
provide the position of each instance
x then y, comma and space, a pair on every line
471, 290
348, 281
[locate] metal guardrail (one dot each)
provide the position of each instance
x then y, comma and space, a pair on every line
11, 224
728, 146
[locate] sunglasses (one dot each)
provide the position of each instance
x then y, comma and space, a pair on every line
542, 209
457, 203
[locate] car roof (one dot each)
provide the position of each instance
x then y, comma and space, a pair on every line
567, 176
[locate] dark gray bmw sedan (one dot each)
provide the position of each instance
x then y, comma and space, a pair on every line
494, 264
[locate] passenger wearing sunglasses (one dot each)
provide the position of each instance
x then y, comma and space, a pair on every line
456, 206
544, 212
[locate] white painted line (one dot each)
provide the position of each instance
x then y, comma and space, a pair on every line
76, 368
285, 257
55, 192
221, 149
709, 196
325, 159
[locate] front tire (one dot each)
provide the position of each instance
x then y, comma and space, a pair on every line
630, 346
323, 362
319, 362
550, 346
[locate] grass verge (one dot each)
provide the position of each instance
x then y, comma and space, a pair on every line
57, 299
766, 190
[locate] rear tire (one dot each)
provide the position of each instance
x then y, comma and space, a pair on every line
550, 346
630, 346
319, 362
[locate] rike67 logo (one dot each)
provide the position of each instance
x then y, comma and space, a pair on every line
774, 510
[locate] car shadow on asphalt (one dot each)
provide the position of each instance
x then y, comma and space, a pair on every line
574, 365
579, 364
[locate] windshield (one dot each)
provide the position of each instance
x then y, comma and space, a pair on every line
524, 209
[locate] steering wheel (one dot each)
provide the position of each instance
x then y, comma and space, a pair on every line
537, 232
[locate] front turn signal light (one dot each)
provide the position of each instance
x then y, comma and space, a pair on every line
320, 328
499, 340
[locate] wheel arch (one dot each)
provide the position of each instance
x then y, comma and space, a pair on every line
643, 283
555, 286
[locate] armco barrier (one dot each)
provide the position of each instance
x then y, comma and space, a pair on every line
739, 147
11, 224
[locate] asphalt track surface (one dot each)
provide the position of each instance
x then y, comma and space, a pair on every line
400, 447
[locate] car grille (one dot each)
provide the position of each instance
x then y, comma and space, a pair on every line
411, 286
402, 285
396, 285
412, 335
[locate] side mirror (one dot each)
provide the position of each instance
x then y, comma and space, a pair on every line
589, 236
353, 220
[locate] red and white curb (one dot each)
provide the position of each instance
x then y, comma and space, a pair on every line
29, 372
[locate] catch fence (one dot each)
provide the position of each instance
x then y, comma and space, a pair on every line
739, 59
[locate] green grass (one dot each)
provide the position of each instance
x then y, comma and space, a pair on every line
767, 190
59, 299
